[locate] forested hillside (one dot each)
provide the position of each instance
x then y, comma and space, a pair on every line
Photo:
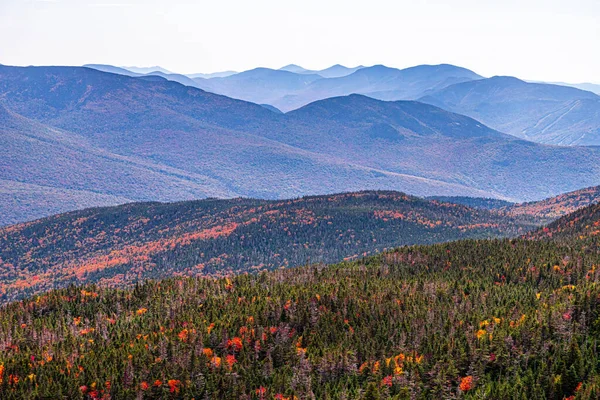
557, 206
546, 210
498, 319
118, 246
582, 224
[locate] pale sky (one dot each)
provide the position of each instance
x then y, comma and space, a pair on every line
551, 40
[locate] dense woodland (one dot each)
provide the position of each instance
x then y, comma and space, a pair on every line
473, 319
119, 246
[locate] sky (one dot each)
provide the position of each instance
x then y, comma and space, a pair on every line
550, 40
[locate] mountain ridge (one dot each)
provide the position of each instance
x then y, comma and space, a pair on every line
217, 237
544, 113
220, 146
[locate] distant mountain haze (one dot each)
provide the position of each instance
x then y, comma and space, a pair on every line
147, 70
88, 137
542, 113
288, 90
295, 69
590, 87
260, 85
335, 71
221, 74
292, 86
112, 69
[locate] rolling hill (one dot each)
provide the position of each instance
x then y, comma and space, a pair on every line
581, 224
471, 319
542, 113
118, 138
557, 206
118, 246
546, 210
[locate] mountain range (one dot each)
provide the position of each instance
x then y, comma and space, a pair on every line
288, 90
335, 71
81, 137
539, 112
560, 114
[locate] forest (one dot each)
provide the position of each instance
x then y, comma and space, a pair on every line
496, 319
120, 246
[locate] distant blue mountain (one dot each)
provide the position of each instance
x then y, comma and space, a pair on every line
590, 87
543, 113
290, 90
221, 74
295, 69
147, 70
259, 85
335, 71
540, 112
183, 79
72, 137
112, 69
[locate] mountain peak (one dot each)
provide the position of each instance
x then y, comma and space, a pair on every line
147, 70
293, 68
506, 78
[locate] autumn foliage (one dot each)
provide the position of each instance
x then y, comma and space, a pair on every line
120, 246
497, 319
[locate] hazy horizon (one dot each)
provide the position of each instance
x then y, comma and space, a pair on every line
551, 40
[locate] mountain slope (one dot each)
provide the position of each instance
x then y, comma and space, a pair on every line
173, 142
557, 206
546, 210
540, 112
581, 224
407, 137
121, 245
494, 319
338, 71
295, 69
46, 170
112, 69
590, 87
